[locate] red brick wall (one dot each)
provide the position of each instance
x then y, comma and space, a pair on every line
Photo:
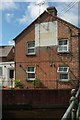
47, 59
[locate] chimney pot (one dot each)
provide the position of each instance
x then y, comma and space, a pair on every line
52, 10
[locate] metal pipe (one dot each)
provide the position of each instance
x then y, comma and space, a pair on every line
78, 92
78, 112
68, 111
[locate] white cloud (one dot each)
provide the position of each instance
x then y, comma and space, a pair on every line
32, 12
72, 18
23, 20
8, 5
71, 15
9, 17
34, 9
10, 42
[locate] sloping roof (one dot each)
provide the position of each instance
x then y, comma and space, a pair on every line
56, 17
5, 50
28, 26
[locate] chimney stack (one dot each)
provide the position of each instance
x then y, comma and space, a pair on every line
52, 10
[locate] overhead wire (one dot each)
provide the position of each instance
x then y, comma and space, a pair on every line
71, 5
66, 6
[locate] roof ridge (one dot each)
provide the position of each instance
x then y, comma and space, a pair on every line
40, 16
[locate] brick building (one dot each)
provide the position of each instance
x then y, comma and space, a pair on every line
48, 51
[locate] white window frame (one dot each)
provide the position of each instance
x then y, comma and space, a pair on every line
63, 51
30, 72
63, 72
30, 48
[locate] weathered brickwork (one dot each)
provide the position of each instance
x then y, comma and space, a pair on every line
47, 59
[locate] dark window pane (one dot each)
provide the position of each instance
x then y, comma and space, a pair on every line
60, 69
65, 69
60, 48
60, 42
30, 69
63, 76
31, 75
30, 50
65, 48
31, 44
65, 42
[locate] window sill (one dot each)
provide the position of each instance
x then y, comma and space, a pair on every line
30, 54
64, 81
63, 52
30, 80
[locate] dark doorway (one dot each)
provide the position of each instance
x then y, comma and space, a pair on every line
11, 74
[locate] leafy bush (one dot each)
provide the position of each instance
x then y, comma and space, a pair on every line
38, 83
18, 84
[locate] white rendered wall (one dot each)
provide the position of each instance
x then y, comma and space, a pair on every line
46, 34
6, 66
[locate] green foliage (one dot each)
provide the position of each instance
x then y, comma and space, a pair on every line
18, 84
37, 83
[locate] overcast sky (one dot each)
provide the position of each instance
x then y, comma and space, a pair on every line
16, 15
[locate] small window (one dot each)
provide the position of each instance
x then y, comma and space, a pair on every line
30, 73
0, 71
30, 48
63, 73
63, 46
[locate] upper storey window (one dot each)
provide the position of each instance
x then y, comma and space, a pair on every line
63, 45
31, 48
